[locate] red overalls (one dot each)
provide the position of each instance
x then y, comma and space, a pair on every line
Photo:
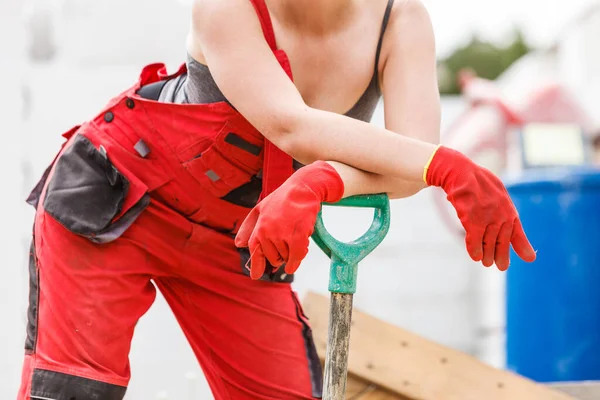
141, 193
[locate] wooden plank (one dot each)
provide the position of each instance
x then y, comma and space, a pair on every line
417, 368
585, 390
358, 389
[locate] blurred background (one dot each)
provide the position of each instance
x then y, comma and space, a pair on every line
520, 84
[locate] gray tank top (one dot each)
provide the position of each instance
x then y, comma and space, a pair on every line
197, 86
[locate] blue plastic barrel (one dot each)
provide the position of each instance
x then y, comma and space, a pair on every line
553, 304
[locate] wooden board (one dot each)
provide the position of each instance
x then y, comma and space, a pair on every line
417, 368
580, 390
358, 389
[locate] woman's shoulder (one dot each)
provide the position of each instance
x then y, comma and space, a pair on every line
211, 19
408, 12
409, 21
409, 34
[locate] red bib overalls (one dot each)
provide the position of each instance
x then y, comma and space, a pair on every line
149, 192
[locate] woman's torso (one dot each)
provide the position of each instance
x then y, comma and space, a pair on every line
338, 71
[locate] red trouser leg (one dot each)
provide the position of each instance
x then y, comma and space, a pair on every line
250, 337
90, 297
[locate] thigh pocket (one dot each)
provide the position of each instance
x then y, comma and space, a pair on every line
90, 197
278, 276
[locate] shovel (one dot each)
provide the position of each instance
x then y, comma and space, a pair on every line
345, 257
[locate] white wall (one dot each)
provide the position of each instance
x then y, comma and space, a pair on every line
579, 61
12, 250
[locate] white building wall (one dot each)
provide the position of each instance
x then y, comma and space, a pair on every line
12, 249
579, 61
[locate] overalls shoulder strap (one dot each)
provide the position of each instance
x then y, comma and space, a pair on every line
265, 22
277, 165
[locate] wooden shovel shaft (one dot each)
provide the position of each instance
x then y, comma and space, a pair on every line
336, 358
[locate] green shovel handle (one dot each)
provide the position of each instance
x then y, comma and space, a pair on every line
345, 256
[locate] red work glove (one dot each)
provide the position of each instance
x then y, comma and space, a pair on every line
483, 207
279, 227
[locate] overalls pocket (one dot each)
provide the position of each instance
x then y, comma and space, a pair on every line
245, 151
227, 163
34, 196
90, 197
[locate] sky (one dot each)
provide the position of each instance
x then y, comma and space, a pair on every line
541, 20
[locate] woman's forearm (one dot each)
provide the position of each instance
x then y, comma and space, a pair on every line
321, 135
358, 182
242, 64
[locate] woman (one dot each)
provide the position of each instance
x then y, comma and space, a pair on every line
156, 187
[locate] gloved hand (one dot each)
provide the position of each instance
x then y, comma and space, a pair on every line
278, 229
483, 207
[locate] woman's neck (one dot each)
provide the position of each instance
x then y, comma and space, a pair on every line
312, 16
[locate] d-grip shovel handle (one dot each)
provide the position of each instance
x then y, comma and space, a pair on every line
345, 256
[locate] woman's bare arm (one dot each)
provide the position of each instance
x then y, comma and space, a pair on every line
250, 77
411, 95
480, 199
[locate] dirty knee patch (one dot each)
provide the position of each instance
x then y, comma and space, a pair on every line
49, 385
